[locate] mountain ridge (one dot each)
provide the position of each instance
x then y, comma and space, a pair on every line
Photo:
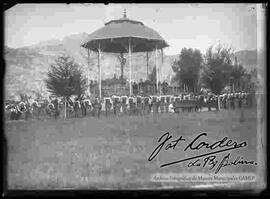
26, 67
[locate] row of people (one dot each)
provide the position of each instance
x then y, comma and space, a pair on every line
137, 105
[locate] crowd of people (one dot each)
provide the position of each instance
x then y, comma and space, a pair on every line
124, 105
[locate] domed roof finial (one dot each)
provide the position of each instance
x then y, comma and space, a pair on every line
125, 14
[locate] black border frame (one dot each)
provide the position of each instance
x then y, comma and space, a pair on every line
226, 192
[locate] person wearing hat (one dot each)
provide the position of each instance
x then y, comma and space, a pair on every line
227, 97
15, 111
240, 99
116, 105
132, 107
162, 104
77, 106
228, 101
248, 97
155, 107
124, 104
176, 104
167, 104
217, 102
146, 105
155, 104
200, 102
139, 105
97, 107
28, 111
224, 98
209, 100
108, 105
84, 104
233, 101
243, 100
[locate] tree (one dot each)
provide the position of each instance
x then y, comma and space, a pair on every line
219, 71
217, 68
65, 78
187, 68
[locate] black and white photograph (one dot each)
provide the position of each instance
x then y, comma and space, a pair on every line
135, 96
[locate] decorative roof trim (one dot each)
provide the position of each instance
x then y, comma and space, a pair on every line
124, 20
121, 37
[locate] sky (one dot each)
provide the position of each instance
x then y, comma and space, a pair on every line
181, 25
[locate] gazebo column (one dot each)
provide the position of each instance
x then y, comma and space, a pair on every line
130, 67
99, 68
147, 65
156, 60
88, 72
162, 58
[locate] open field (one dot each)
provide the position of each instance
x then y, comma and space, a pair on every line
113, 152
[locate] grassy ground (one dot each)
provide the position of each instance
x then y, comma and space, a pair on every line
113, 152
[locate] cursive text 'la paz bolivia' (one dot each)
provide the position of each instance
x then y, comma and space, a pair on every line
166, 142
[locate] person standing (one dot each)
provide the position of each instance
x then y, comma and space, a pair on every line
232, 101
97, 107
155, 106
139, 105
131, 106
240, 100
167, 104
146, 106
56, 110
77, 107
116, 105
162, 104
124, 104
83, 106
108, 106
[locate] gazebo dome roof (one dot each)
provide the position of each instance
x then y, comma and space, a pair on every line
113, 37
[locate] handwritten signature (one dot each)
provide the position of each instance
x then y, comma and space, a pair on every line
204, 159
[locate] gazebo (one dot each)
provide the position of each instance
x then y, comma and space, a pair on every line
125, 36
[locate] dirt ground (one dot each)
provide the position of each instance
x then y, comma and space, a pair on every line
92, 153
